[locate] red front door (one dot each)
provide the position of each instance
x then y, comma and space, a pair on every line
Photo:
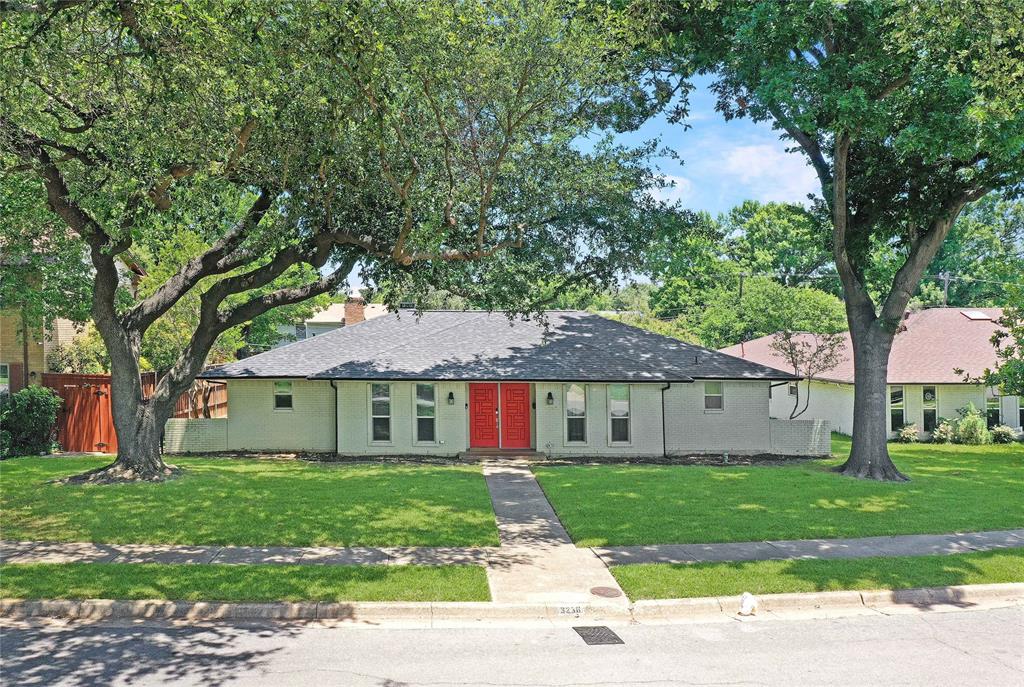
483, 415
515, 416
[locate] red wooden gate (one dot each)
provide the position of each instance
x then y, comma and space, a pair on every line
85, 422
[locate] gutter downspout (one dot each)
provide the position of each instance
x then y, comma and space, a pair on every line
336, 438
664, 441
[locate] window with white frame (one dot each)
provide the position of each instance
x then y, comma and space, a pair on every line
930, 404
714, 396
426, 413
283, 396
5, 377
380, 412
897, 417
993, 416
619, 413
793, 389
575, 413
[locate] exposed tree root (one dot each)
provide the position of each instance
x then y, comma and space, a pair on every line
872, 470
119, 474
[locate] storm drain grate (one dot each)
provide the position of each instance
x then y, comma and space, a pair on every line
598, 634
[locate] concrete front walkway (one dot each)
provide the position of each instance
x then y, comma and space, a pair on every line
862, 547
537, 561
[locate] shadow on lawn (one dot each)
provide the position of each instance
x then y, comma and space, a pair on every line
105, 653
253, 502
896, 574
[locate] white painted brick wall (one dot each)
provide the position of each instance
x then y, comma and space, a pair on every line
800, 437
828, 401
254, 424
451, 426
740, 427
203, 435
1011, 411
645, 425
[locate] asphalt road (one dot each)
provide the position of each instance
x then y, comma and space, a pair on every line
979, 647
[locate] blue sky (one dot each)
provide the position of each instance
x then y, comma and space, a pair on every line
720, 164
724, 163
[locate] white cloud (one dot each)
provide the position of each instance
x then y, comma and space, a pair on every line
681, 189
769, 173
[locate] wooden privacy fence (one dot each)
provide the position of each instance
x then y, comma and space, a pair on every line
204, 399
86, 424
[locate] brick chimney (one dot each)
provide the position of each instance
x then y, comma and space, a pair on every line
354, 310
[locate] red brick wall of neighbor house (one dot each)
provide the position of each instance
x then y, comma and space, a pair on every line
354, 310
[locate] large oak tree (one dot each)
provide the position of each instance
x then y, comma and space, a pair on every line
428, 142
907, 110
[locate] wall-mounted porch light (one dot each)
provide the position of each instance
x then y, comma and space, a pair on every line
550, 400
451, 398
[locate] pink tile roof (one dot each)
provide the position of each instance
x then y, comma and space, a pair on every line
932, 344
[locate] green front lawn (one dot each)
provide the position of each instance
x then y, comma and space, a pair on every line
243, 582
665, 581
953, 488
253, 502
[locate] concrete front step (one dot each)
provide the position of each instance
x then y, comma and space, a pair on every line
512, 454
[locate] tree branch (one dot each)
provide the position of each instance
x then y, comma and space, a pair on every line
220, 258
892, 87
922, 251
857, 295
810, 146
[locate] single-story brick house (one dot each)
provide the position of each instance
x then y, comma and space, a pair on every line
924, 385
446, 382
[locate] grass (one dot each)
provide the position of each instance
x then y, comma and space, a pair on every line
254, 502
243, 582
669, 581
952, 488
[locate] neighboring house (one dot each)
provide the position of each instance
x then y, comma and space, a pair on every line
923, 383
23, 359
335, 316
451, 381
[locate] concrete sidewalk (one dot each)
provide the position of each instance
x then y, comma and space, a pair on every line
537, 561
84, 552
525, 535
862, 547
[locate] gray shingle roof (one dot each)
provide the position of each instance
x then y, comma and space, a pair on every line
477, 345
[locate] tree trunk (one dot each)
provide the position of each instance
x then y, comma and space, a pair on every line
869, 457
138, 421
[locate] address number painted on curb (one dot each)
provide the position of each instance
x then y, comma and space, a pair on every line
571, 610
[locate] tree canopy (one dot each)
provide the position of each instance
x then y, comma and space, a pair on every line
907, 111
428, 143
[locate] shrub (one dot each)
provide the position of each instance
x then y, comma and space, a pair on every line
1001, 434
944, 432
971, 428
29, 418
907, 435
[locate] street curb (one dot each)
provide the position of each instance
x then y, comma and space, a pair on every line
430, 614
369, 613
